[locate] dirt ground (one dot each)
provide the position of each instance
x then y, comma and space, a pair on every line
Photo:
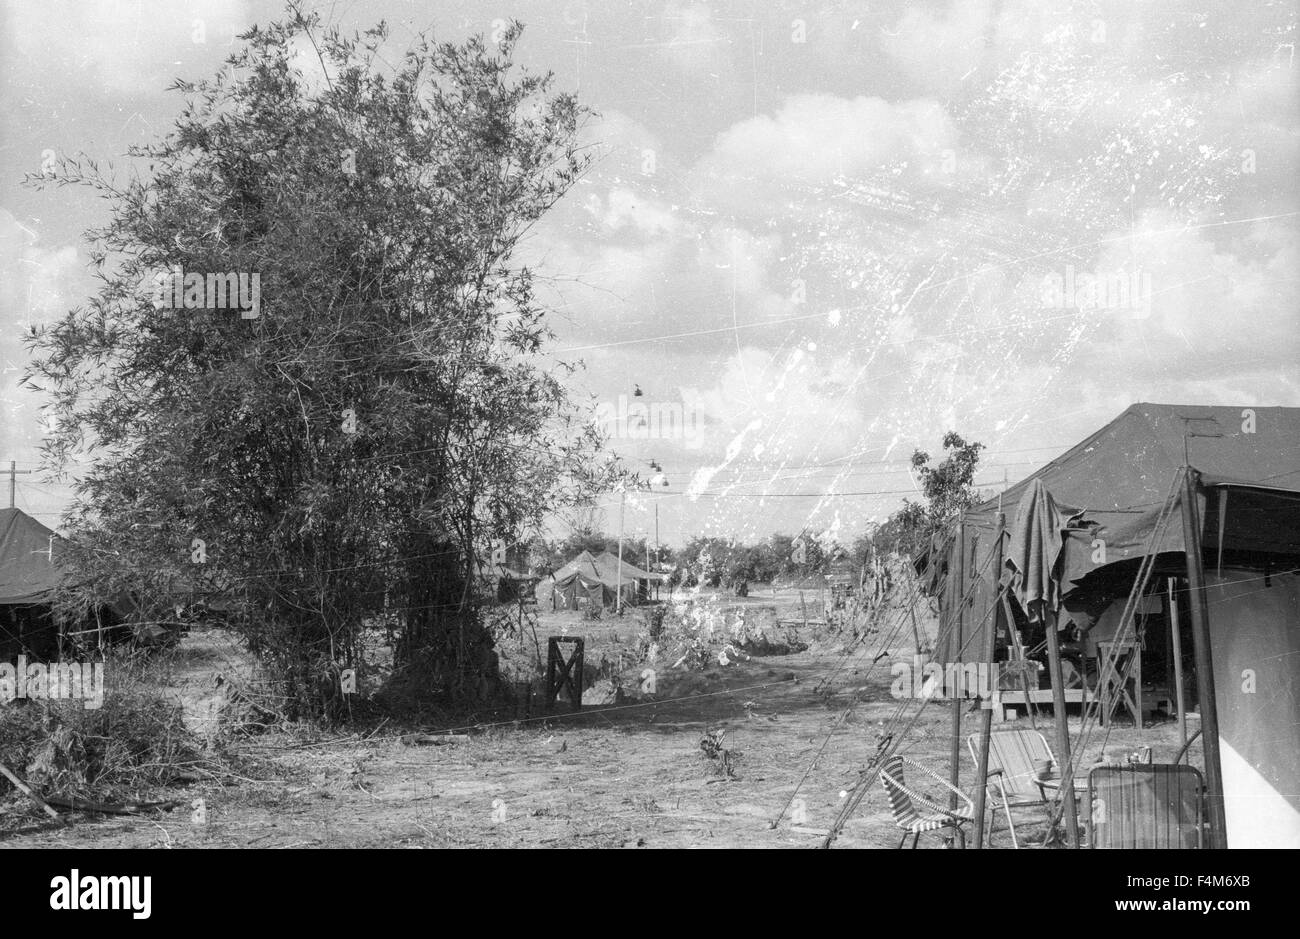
622, 775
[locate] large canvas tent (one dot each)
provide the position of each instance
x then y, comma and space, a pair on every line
1207, 499
33, 561
608, 566
29, 572
595, 579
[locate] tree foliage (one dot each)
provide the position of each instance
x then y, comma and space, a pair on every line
353, 450
949, 489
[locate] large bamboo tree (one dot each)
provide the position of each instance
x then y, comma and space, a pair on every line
352, 446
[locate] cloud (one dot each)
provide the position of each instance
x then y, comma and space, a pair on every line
938, 50
694, 43
1219, 311
117, 47
814, 138
744, 258
37, 285
783, 404
624, 209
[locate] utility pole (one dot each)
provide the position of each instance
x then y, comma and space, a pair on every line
14, 473
657, 562
618, 596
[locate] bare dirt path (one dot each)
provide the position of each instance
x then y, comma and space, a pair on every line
632, 775
635, 777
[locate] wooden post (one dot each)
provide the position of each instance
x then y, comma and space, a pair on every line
957, 615
1177, 643
986, 717
1062, 725
1199, 609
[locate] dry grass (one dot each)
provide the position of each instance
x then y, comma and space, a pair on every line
627, 775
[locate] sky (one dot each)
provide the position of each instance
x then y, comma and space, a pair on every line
815, 235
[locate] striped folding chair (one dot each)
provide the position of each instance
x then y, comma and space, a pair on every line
1016, 758
904, 801
1146, 805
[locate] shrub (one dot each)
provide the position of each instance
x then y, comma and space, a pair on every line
135, 741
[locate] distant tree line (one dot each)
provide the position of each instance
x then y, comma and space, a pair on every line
947, 484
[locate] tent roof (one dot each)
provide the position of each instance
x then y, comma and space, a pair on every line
603, 567
27, 570
1119, 477
582, 563
1113, 486
608, 563
1148, 440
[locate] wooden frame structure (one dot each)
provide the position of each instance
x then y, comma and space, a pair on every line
562, 673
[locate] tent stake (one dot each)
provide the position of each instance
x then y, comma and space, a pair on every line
1204, 668
1062, 725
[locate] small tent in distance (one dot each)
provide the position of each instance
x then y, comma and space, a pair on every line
589, 580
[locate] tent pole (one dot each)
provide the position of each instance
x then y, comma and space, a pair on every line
1204, 668
1062, 724
1176, 635
911, 612
958, 616
1223, 518
986, 716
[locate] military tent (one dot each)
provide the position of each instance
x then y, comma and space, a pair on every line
1186, 494
33, 561
29, 573
597, 578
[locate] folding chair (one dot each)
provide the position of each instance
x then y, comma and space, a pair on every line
903, 801
1014, 757
1146, 805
